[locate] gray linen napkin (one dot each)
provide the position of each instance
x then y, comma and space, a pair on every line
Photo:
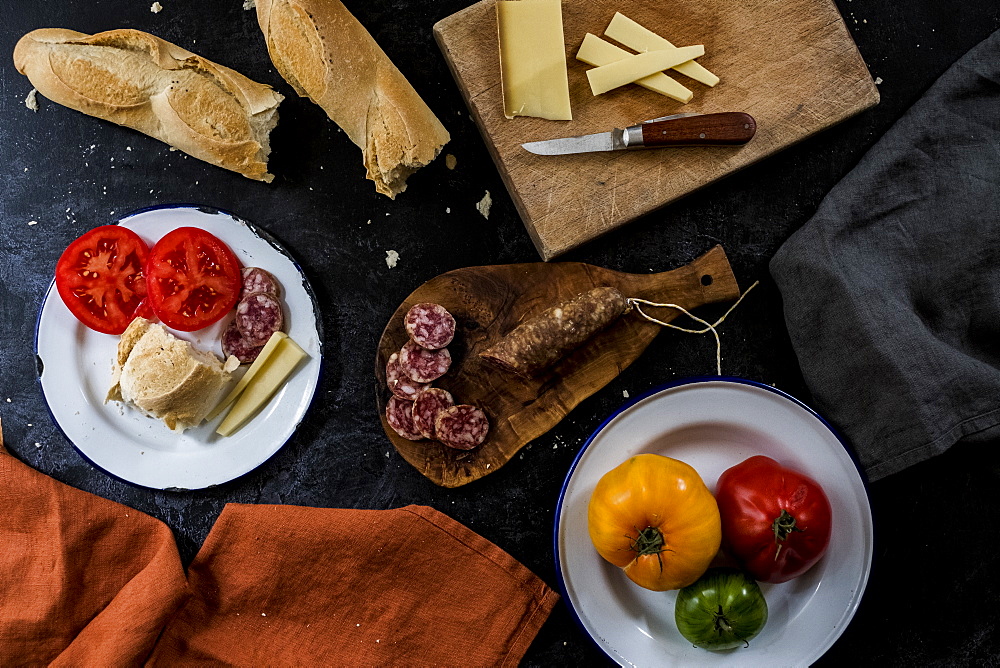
892, 290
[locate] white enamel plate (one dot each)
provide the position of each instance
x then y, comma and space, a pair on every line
75, 374
713, 424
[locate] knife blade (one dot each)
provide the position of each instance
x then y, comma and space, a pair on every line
730, 128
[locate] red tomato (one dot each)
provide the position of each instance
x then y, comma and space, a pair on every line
100, 277
193, 279
775, 521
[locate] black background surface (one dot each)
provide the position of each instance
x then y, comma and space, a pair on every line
932, 597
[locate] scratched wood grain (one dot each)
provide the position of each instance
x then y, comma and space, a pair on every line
789, 63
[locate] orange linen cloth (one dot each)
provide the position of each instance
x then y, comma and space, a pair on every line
83, 581
86, 581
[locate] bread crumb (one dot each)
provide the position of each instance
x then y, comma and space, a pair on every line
32, 222
31, 102
450, 161
878, 80
249, 4
38, 445
391, 258
483, 206
624, 394
156, 8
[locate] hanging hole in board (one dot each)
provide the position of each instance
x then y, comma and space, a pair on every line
706, 279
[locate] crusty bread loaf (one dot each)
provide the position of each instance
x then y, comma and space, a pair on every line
328, 56
142, 82
165, 377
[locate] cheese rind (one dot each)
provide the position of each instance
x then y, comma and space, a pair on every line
597, 52
267, 381
626, 31
627, 70
533, 59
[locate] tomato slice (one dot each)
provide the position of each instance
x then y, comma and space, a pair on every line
100, 277
193, 279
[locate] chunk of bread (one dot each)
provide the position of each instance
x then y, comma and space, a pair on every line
165, 377
140, 81
328, 56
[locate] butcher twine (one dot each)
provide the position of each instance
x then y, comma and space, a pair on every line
709, 327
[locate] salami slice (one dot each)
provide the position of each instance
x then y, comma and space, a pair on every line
399, 383
234, 344
256, 279
426, 407
546, 338
258, 316
462, 427
429, 325
423, 365
399, 415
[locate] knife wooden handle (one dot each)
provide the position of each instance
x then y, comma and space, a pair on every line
724, 129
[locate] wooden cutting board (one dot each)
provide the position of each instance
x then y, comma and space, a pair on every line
791, 64
488, 302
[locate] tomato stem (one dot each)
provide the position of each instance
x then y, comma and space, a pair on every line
649, 541
722, 624
783, 525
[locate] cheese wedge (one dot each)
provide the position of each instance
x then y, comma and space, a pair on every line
626, 31
265, 383
597, 52
625, 71
258, 364
533, 59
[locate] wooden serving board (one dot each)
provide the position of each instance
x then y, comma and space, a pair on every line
488, 302
791, 64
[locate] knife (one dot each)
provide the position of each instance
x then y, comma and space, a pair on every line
724, 129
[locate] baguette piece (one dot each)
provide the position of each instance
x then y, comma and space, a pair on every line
165, 377
140, 81
328, 56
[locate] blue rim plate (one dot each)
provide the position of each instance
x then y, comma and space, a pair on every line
713, 424
75, 373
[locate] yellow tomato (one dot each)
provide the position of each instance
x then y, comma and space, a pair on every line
654, 517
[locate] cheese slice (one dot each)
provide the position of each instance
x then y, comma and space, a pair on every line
255, 367
625, 71
626, 31
595, 51
265, 383
533, 59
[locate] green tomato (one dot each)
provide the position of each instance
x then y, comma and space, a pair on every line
723, 609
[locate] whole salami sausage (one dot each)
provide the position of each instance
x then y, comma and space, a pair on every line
423, 365
258, 316
541, 341
234, 344
399, 383
256, 279
399, 415
462, 427
426, 407
429, 325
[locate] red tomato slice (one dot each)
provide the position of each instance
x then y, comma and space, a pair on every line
100, 277
193, 279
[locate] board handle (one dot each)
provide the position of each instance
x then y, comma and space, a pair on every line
729, 128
